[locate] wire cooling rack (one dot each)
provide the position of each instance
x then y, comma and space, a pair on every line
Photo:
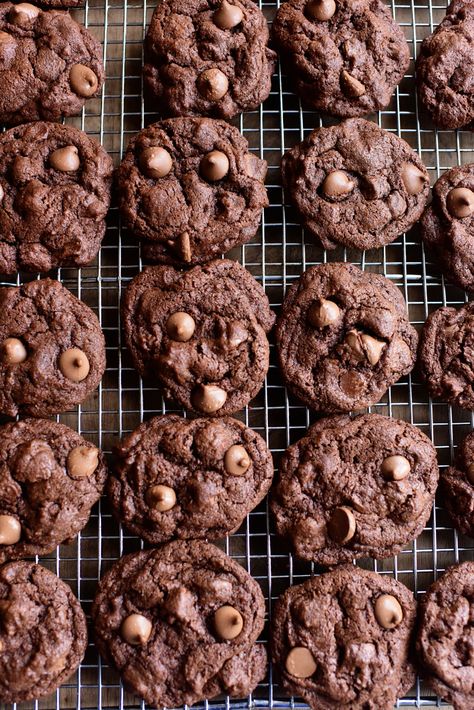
276, 257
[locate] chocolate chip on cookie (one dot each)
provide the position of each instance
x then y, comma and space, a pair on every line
343, 338
219, 364
180, 624
355, 184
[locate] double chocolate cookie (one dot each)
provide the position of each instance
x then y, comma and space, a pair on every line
342, 640
52, 350
343, 338
49, 64
208, 57
457, 486
446, 355
355, 488
345, 57
355, 184
201, 334
180, 624
444, 68
50, 477
188, 478
448, 224
43, 632
54, 195
444, 642
190, 187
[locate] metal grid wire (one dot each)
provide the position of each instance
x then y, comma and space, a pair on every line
276, 257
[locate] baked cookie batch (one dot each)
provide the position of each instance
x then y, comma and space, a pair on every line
181, 620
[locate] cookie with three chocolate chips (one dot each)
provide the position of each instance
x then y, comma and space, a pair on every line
342, 640
444, 638
191, 189
188, 478
353, 488
49, 64
355, 184
180, 624
52, 349
207, 58
43, 632
447, 225
343, 338
344, 57
55, 186
201, 334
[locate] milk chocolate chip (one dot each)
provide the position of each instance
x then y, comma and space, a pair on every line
388, 611
214, 166
23, 13
12, 351
413, 178
321, 10
228, 623
227, 16
395, 468
337, 184
351, 86
300, 662
65, 159
208, 398
213, 84
460, 202
83, 80
136, 629
2, 191
182, 246
10, 530
156, 162
323, 313
180, 326
163, 498
372, 347
82, 461
74, 364
342, 525
236, 460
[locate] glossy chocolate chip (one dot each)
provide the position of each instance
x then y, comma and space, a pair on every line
388, 611
337, 184
208, 398
213, 84
156, 162
180, 326
236, 460
162, 498
12, 351
83, 80
10, 530
214, 166
227, 16
136, 629
323, 313
395, 468
23, 14
66, 159
300, 662
342, 525
82, 461
351, 86
228, 622
413, 178
460, 202
74, 364
321, 10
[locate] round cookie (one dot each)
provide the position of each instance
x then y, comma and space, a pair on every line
342, 640
444, 68
354, 488
444, 639
180, 624
344, 57
190, 187
49, 64
200, 334
50, 477
457, 487
446, 355
343, 338
188, 478
55, 186
52, 350
207, 58
447, 225
355, 184
43, 632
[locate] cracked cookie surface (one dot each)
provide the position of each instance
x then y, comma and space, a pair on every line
208, 57
353, 488
191, 189
444, 68
444, 639
343, 338
201, 334
457, 486
188, 478
355, 184
52, 350
345, 58
43, 632
341, 640
55, 186
49, 64
180, 624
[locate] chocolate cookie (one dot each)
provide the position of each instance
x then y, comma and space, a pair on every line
446, 355
54, 195
191, 186
355, 184
345, 57
49, 64
355, 488
207, 57
342, 640
50, 477
180, 624
444, 642
188, 478
200, 334
447, 225
343, 338
444, 68
457, 486
52, 350
43, 632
